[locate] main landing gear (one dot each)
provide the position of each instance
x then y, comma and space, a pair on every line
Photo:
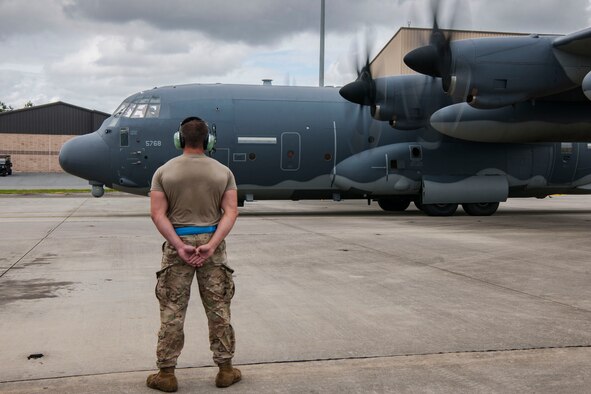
399, 204
472, 209
481, 208
439, 209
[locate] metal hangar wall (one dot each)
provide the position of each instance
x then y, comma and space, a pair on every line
33, 136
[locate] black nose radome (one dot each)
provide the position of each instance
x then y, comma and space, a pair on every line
86, 156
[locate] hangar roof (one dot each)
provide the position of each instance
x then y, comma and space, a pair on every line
54, 118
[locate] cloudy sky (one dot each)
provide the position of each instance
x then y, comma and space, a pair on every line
96, 53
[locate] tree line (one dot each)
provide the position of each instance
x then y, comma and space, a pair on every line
5, 107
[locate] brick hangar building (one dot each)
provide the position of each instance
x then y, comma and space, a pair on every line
33, 136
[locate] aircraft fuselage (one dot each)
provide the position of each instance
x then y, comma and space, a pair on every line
309, 143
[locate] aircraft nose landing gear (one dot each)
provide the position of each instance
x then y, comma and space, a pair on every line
97, 189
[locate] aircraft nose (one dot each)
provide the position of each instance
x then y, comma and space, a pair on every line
86, 156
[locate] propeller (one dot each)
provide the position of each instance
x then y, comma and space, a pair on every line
436, 58
362, 91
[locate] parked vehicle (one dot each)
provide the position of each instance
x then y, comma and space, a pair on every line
5, 165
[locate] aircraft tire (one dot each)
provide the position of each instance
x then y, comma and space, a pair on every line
97, 191
393, 204
439, 209
480, 209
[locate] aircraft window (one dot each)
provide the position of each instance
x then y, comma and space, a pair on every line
139, 107
129, 110
140, 111
121, 108
153, 111
153, 108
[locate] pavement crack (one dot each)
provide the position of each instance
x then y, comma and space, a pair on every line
377, 357
69, 215
320, 359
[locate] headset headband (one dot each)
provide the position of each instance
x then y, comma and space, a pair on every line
190, 119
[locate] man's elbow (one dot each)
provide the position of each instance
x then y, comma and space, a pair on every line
233, 213
155, 216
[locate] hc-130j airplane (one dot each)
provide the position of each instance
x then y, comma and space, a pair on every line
489, 119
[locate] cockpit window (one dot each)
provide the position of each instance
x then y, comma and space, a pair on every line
153, 108
121, 108
139, 107
129, 110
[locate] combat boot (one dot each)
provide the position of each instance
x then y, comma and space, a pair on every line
163, 380
228, 375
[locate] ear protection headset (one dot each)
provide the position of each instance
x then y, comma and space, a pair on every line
208, 142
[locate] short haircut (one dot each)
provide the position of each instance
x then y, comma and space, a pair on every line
194, 132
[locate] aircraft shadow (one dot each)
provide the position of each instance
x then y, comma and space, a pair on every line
459, 213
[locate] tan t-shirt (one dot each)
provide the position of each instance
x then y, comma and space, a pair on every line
194, 185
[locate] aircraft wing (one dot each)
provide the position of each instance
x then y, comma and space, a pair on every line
578, 43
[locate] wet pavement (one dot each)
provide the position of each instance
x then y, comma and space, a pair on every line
331, 297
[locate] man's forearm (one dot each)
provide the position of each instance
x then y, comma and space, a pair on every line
224, 227
167, 230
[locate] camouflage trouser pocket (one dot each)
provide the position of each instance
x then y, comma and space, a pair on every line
161, 280
230, 287
220, 258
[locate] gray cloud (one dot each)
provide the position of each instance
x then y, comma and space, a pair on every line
539, 16
95, 53
259, 22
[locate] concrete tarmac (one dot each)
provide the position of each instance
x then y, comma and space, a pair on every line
331, 297
33, 180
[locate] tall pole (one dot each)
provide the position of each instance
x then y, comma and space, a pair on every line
321, 71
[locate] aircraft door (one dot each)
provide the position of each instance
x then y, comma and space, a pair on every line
565, 162
290, 151
133, 152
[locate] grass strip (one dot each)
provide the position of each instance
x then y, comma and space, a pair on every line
48, 191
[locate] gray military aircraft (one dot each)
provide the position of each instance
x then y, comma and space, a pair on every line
489, 119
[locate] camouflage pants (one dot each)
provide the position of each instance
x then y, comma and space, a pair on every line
173, 290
